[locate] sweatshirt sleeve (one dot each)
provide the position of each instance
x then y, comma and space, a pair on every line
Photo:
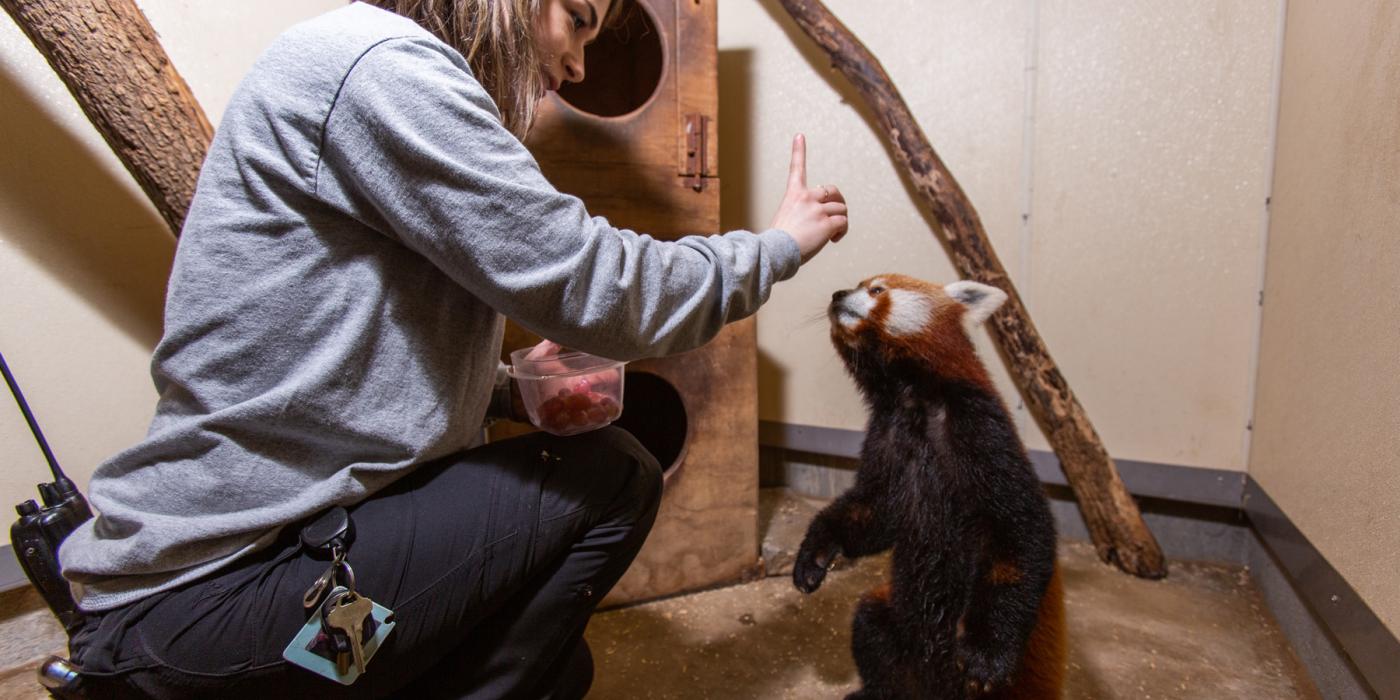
414, 147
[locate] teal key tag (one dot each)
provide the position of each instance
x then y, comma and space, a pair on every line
309, 647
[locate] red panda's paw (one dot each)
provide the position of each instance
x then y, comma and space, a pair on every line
811, 566
985, 672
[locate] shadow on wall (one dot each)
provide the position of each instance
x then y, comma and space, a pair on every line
67, 214
736, 142
736, 207
772, 377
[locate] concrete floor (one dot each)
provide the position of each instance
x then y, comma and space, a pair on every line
1201, 633
29, 633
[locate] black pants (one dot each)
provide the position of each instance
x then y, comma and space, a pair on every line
492, 561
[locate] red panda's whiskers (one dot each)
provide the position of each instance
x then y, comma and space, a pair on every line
818, 317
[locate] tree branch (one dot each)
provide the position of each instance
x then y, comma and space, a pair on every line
108, 55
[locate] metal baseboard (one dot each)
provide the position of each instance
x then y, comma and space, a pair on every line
1211, 487
1355, 631
11, 575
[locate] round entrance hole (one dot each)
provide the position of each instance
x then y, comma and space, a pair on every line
654, 413
622, 67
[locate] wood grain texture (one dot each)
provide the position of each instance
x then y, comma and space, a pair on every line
706, 531
108, 55
1115, 524
627, 168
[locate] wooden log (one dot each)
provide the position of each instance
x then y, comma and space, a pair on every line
108, 55
1113, 519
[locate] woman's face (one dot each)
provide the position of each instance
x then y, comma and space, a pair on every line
562, 29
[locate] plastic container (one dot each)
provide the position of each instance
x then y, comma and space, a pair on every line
569, 392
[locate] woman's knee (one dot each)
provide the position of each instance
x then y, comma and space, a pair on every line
648, 473
607, 470
639, 470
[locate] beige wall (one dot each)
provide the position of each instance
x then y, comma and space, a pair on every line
83, 256
1133, 136
1327, 423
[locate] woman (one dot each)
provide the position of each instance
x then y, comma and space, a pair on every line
366, 215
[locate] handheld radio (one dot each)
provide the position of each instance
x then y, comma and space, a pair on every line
41, 529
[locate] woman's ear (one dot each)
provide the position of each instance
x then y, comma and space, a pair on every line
981, 300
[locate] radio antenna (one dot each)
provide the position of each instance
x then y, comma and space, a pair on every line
58, 474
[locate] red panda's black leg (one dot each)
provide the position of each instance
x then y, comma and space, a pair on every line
873, 646
851, 526
888, 670
1005, 605
892, 666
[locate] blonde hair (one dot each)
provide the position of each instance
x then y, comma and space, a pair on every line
497, 37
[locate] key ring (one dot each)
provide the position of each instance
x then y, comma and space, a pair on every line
329, 579
349, 574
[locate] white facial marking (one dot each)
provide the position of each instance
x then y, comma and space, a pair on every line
910, 312
981, 300
854, 308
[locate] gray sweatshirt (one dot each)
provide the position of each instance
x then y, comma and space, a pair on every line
361, 224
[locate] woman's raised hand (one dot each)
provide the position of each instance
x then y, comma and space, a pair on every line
812, 216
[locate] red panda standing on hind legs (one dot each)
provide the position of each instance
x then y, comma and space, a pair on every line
974, 607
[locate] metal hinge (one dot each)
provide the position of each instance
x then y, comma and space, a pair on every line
697, 152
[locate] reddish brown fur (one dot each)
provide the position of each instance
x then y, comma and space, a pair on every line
1004, 573
880, 593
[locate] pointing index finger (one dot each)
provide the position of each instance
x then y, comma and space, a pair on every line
797, 170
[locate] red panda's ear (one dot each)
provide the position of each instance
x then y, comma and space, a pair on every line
981, 300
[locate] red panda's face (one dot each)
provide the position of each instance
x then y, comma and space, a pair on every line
898, 315
884, 308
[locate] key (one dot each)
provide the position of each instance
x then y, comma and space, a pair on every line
336, 640
348, 614
342, 662
338, 646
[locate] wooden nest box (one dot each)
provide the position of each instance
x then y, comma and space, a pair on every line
636, 142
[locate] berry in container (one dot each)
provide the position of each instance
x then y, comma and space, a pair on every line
567, 392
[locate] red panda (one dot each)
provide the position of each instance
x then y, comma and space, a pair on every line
974, 607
